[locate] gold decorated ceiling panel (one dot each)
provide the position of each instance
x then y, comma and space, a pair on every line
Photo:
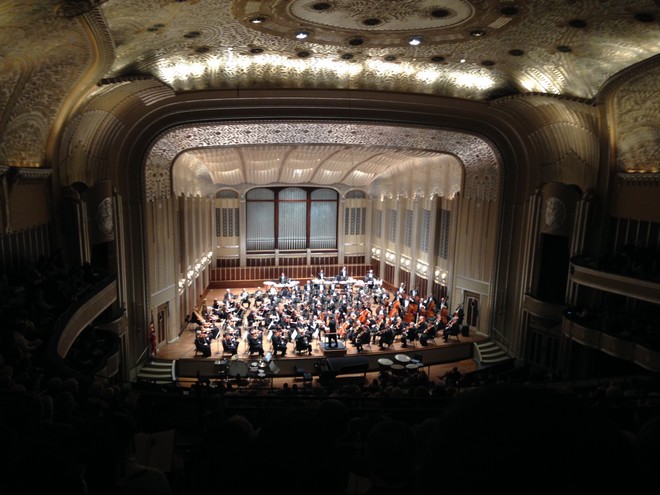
476, 49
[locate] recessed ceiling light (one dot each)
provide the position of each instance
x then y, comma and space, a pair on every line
258, 19
477, 33
302, 34
509, 10
440, 13
415, 40
578, 23
321, 6
372, 21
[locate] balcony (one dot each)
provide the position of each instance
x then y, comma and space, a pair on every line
589, 272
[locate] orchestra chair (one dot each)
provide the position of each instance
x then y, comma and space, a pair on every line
454, 330
199, 348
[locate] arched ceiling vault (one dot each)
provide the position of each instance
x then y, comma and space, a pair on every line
384, 160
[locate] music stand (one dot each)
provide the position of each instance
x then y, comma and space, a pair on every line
274, 370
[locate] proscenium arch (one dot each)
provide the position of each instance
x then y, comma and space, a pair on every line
141, 118
479, 157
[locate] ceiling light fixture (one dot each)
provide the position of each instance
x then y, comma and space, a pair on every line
302, 34
415, 41
258, 19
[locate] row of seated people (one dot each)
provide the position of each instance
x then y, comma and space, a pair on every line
358, 335
254, 340
335, 316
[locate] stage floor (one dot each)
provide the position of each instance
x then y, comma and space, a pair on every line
438, 352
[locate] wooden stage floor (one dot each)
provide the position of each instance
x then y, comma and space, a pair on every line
438, 357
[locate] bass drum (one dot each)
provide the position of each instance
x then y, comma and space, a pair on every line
238, 367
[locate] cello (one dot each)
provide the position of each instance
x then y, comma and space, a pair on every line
394, 309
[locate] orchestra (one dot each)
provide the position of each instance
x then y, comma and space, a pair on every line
335, 311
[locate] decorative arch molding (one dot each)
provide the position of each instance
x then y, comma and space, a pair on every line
479, 156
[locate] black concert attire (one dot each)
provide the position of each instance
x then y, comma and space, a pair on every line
302, 344
213, 332
230, 344
202, 344
332, 333
255, 343
362, 337
409, 335
386, 337
428, 334
279, 344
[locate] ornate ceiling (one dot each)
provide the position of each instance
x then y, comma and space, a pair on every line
477, 50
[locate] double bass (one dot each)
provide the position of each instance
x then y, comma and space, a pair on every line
411, 311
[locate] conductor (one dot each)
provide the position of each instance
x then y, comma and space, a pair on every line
331, 333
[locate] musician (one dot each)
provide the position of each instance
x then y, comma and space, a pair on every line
278, 342
343, 274
303, 344
212, 331
195, 318
362, 337
386, 337
331, 332
460, 314
230, 343
202, 343
321, 275
259, 296
244, 297
369, 281
255, 342
451, 326
409, 335
283, 279
228, 297
427, 334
